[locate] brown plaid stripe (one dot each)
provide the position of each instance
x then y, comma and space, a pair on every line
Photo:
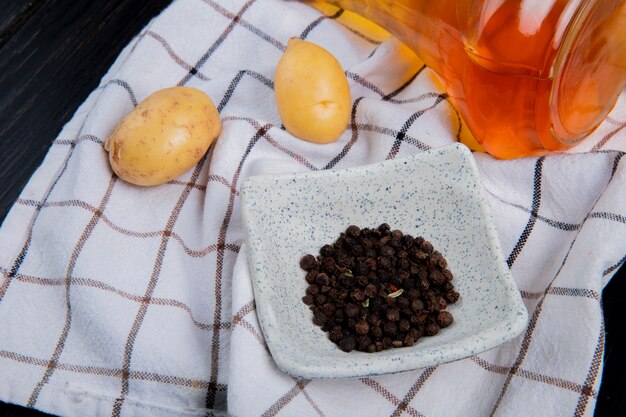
188, 67
528, 334
389, 396
534, 376
87, 282
285, 399
413, 391
609, 136
237, 19
215, 348
52, 363
295, 156
141, 313
239, 319
110, 372
234, 19
24, 250
142, 235
592, 376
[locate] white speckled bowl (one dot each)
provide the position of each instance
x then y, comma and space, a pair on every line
435, 194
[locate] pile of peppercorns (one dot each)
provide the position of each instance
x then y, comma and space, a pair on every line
376, 289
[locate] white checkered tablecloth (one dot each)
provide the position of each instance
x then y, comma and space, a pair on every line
124, 301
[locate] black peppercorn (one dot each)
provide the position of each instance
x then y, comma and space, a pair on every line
322, 279
444, 319
335, 334
402, 302
390, 328
417, 305
320, 319
387, 251
404, 325
386, 342
361, 327
361, 268
320, 299
370, 290
328, 265
376, 332
442, 304
362, 281
327, 250
313, 290
393, 314
351, 310
363, 343
311, 277
413, 294
376, 289
436, 277
353, 231
385, 263
347, 343
329, 309
308, 262
347, 279
452, 296
415, 333
431, 329
426, 246
343, 294
358, 295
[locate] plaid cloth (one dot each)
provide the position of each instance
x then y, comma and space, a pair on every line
117, 300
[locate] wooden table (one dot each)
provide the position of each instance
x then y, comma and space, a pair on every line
54, 52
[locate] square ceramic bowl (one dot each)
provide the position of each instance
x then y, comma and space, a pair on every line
435, 194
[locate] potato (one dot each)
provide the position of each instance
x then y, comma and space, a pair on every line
164, 136
312, 92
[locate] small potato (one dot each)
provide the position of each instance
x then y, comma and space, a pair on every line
164, 136
312, 92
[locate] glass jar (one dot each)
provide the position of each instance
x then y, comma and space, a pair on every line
528, 77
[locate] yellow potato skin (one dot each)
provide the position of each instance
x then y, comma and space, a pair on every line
312, 92
164, 136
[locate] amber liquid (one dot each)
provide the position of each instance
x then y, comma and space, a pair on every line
526, 82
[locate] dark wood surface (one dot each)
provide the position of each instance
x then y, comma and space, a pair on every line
53, 54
